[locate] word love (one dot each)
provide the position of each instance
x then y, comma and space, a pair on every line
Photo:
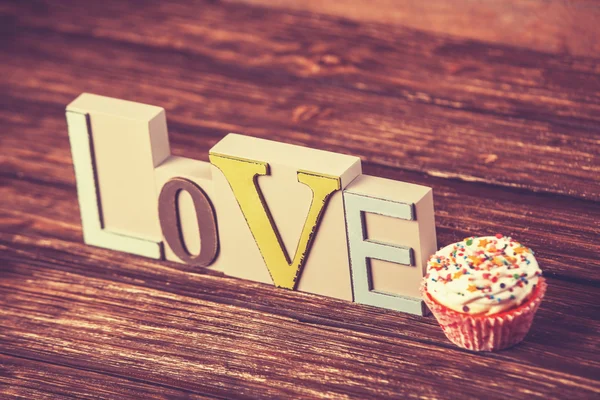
299, 218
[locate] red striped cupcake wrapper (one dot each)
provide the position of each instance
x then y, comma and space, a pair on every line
487, 332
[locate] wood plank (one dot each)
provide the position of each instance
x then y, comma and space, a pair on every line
580, 313
22, 378
41, 182
248, 339
507, 137
458, 109
554, 26
565, 244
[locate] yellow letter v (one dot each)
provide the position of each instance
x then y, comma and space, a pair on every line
242, 176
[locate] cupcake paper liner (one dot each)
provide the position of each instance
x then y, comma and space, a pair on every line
487, 332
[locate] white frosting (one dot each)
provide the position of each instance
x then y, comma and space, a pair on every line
484, 275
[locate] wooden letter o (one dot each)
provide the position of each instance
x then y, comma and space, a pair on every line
168, 213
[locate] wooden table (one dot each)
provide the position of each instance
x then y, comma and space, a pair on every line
508, 137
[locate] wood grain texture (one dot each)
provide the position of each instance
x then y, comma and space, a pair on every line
22, 378
507, 137
566, 244
302, 348
465, 110
553, 26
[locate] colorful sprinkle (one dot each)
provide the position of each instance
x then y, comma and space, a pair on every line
484, 242
476, 261
488, 264
520, 250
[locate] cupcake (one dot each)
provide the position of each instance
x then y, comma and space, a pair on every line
484, 291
